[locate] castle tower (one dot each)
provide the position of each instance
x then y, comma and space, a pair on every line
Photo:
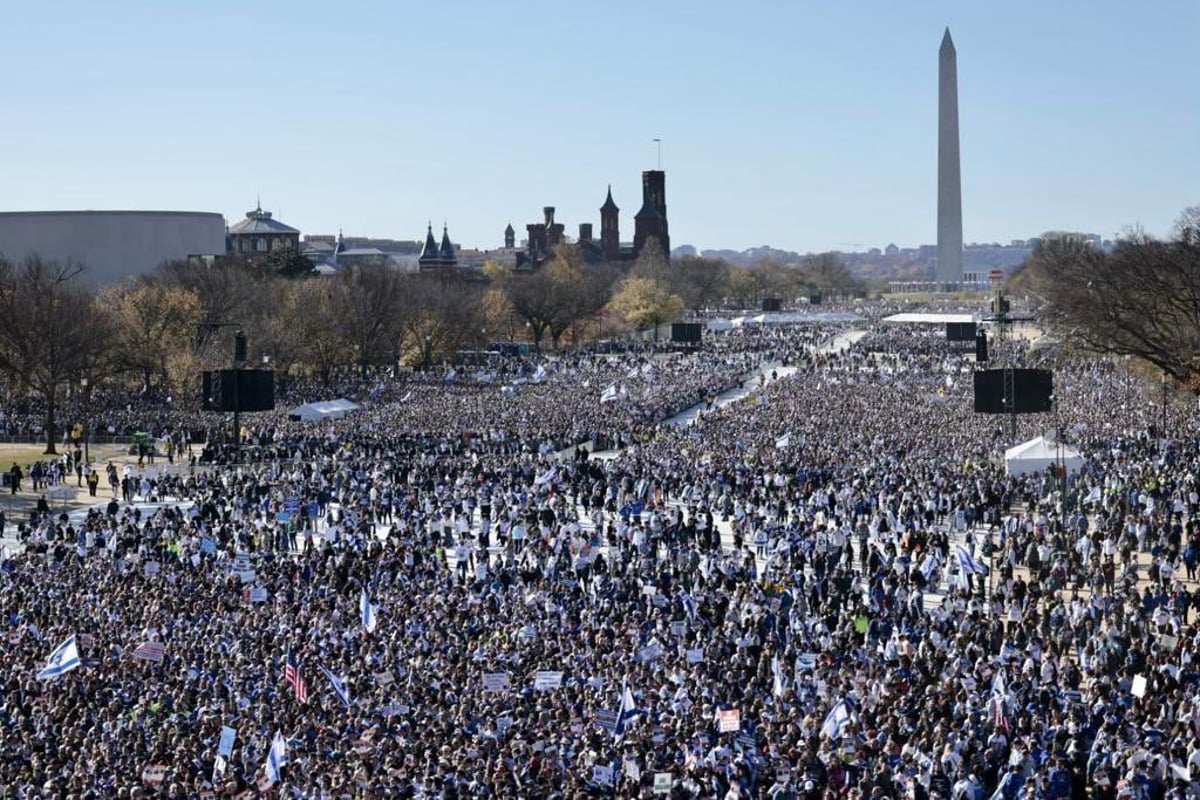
510, 237
949, 200
610, 234
651, 220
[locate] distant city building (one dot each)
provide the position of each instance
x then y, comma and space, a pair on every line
112, 245
259, 234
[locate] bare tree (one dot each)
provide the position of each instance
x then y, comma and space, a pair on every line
1142, 299
701, 282
369, 302
51, 330
443, 314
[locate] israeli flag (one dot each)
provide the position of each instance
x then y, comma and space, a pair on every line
689, 605
339, 687
929, 566
64, 659
368, 611
539, 375
1093, 496
276, 757
546, 477
778, 687
610, 394
968, 563
836, 720
626, 713
783, 441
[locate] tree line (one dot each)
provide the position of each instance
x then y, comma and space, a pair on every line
157, 333
1140, 299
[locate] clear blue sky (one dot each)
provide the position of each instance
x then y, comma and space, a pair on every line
803, 125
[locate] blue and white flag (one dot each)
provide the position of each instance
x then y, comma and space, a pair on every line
610, 394
546, 477
368, 612
836, 720
540, 374
276, 757
783, 441
779, 686
929, 566
1093, 496
339, 687
968, 563
689, 605
64, 659
626, 713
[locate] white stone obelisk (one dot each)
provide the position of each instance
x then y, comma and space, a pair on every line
949, 201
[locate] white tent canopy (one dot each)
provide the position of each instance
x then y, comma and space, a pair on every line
1040, 453
325, 409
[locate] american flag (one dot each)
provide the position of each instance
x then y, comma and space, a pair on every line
291, 674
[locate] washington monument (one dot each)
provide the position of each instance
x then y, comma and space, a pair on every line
949, 201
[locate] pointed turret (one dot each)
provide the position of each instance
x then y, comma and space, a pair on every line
609, 205
510, 237
430, 250
610, 235
446, 253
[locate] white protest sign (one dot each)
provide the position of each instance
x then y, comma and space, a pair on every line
1138, 689
650, 652
606, 719
547, 679
695, 655
678, 628
258, 595
662, 783
228, 735
602, 775
150, 569
495, 681
729, 720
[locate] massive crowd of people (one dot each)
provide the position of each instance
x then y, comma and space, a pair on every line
830, 588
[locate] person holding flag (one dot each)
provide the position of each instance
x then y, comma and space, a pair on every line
836, 720
626, 713
367, 611
276, 758
338, 684
291, 674
63, 659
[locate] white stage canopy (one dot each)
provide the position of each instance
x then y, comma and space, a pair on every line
1038, 454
